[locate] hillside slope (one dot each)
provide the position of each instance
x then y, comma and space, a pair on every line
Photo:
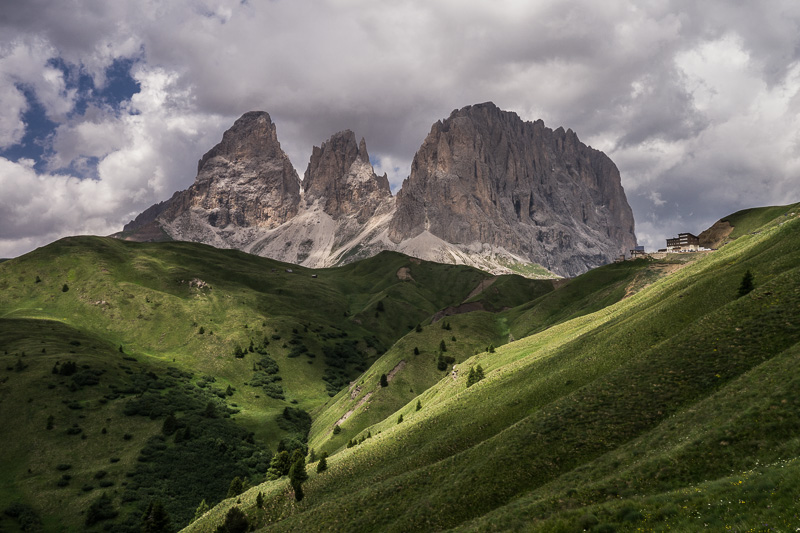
674, 408
164, 329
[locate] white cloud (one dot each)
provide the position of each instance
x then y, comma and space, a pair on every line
695, 102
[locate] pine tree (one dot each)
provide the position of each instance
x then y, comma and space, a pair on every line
156, 519
201, 510
442, 346
312, 456
279, 466
236, 487
201, 330
384, 381
471, 377
297, 475
260, 500
418, 329
416, 350
479, 373
400, 419
65, 288
322, 465
747, 284
419, 405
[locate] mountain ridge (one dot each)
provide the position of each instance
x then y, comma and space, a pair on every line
486, 189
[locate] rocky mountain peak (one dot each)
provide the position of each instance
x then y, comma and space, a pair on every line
340, 175
484, 177
252, 136
245, 181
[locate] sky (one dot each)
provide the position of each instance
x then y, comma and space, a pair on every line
106, 107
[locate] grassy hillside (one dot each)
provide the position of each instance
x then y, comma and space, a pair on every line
672, 409
168, 328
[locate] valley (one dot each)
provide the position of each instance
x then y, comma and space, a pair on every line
641, 395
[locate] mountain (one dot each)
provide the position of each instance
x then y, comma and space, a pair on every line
490, 182
486, 189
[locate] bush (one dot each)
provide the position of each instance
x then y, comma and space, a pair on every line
101, 509
65, 288
322, 465
235, 522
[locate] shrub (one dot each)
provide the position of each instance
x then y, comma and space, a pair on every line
416, 350
336, 429
322, 465
65, 288
419, 405
100, 509
400, 419
384, 381
235, 522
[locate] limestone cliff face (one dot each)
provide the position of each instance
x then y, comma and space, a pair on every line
341, 177
486, 189
485, 177
246, 181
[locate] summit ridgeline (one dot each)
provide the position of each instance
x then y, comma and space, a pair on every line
486, 189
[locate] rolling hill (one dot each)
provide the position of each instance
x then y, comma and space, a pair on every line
672, 409
642, 395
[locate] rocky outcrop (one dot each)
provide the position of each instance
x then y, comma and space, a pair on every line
340, 175
484, 178
245, 182
486, 189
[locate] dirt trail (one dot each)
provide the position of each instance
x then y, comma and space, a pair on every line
355, 390
398, 367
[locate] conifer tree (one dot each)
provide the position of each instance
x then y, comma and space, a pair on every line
236, 487
747, 284
260, 500
201, 509
322, 465
419, 405
156, 519
297, 475
442, 346
384, 381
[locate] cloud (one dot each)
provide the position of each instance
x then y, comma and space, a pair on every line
695, 102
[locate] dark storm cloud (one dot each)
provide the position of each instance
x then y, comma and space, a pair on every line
691, 100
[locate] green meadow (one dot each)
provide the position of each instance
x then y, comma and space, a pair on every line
646, 395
